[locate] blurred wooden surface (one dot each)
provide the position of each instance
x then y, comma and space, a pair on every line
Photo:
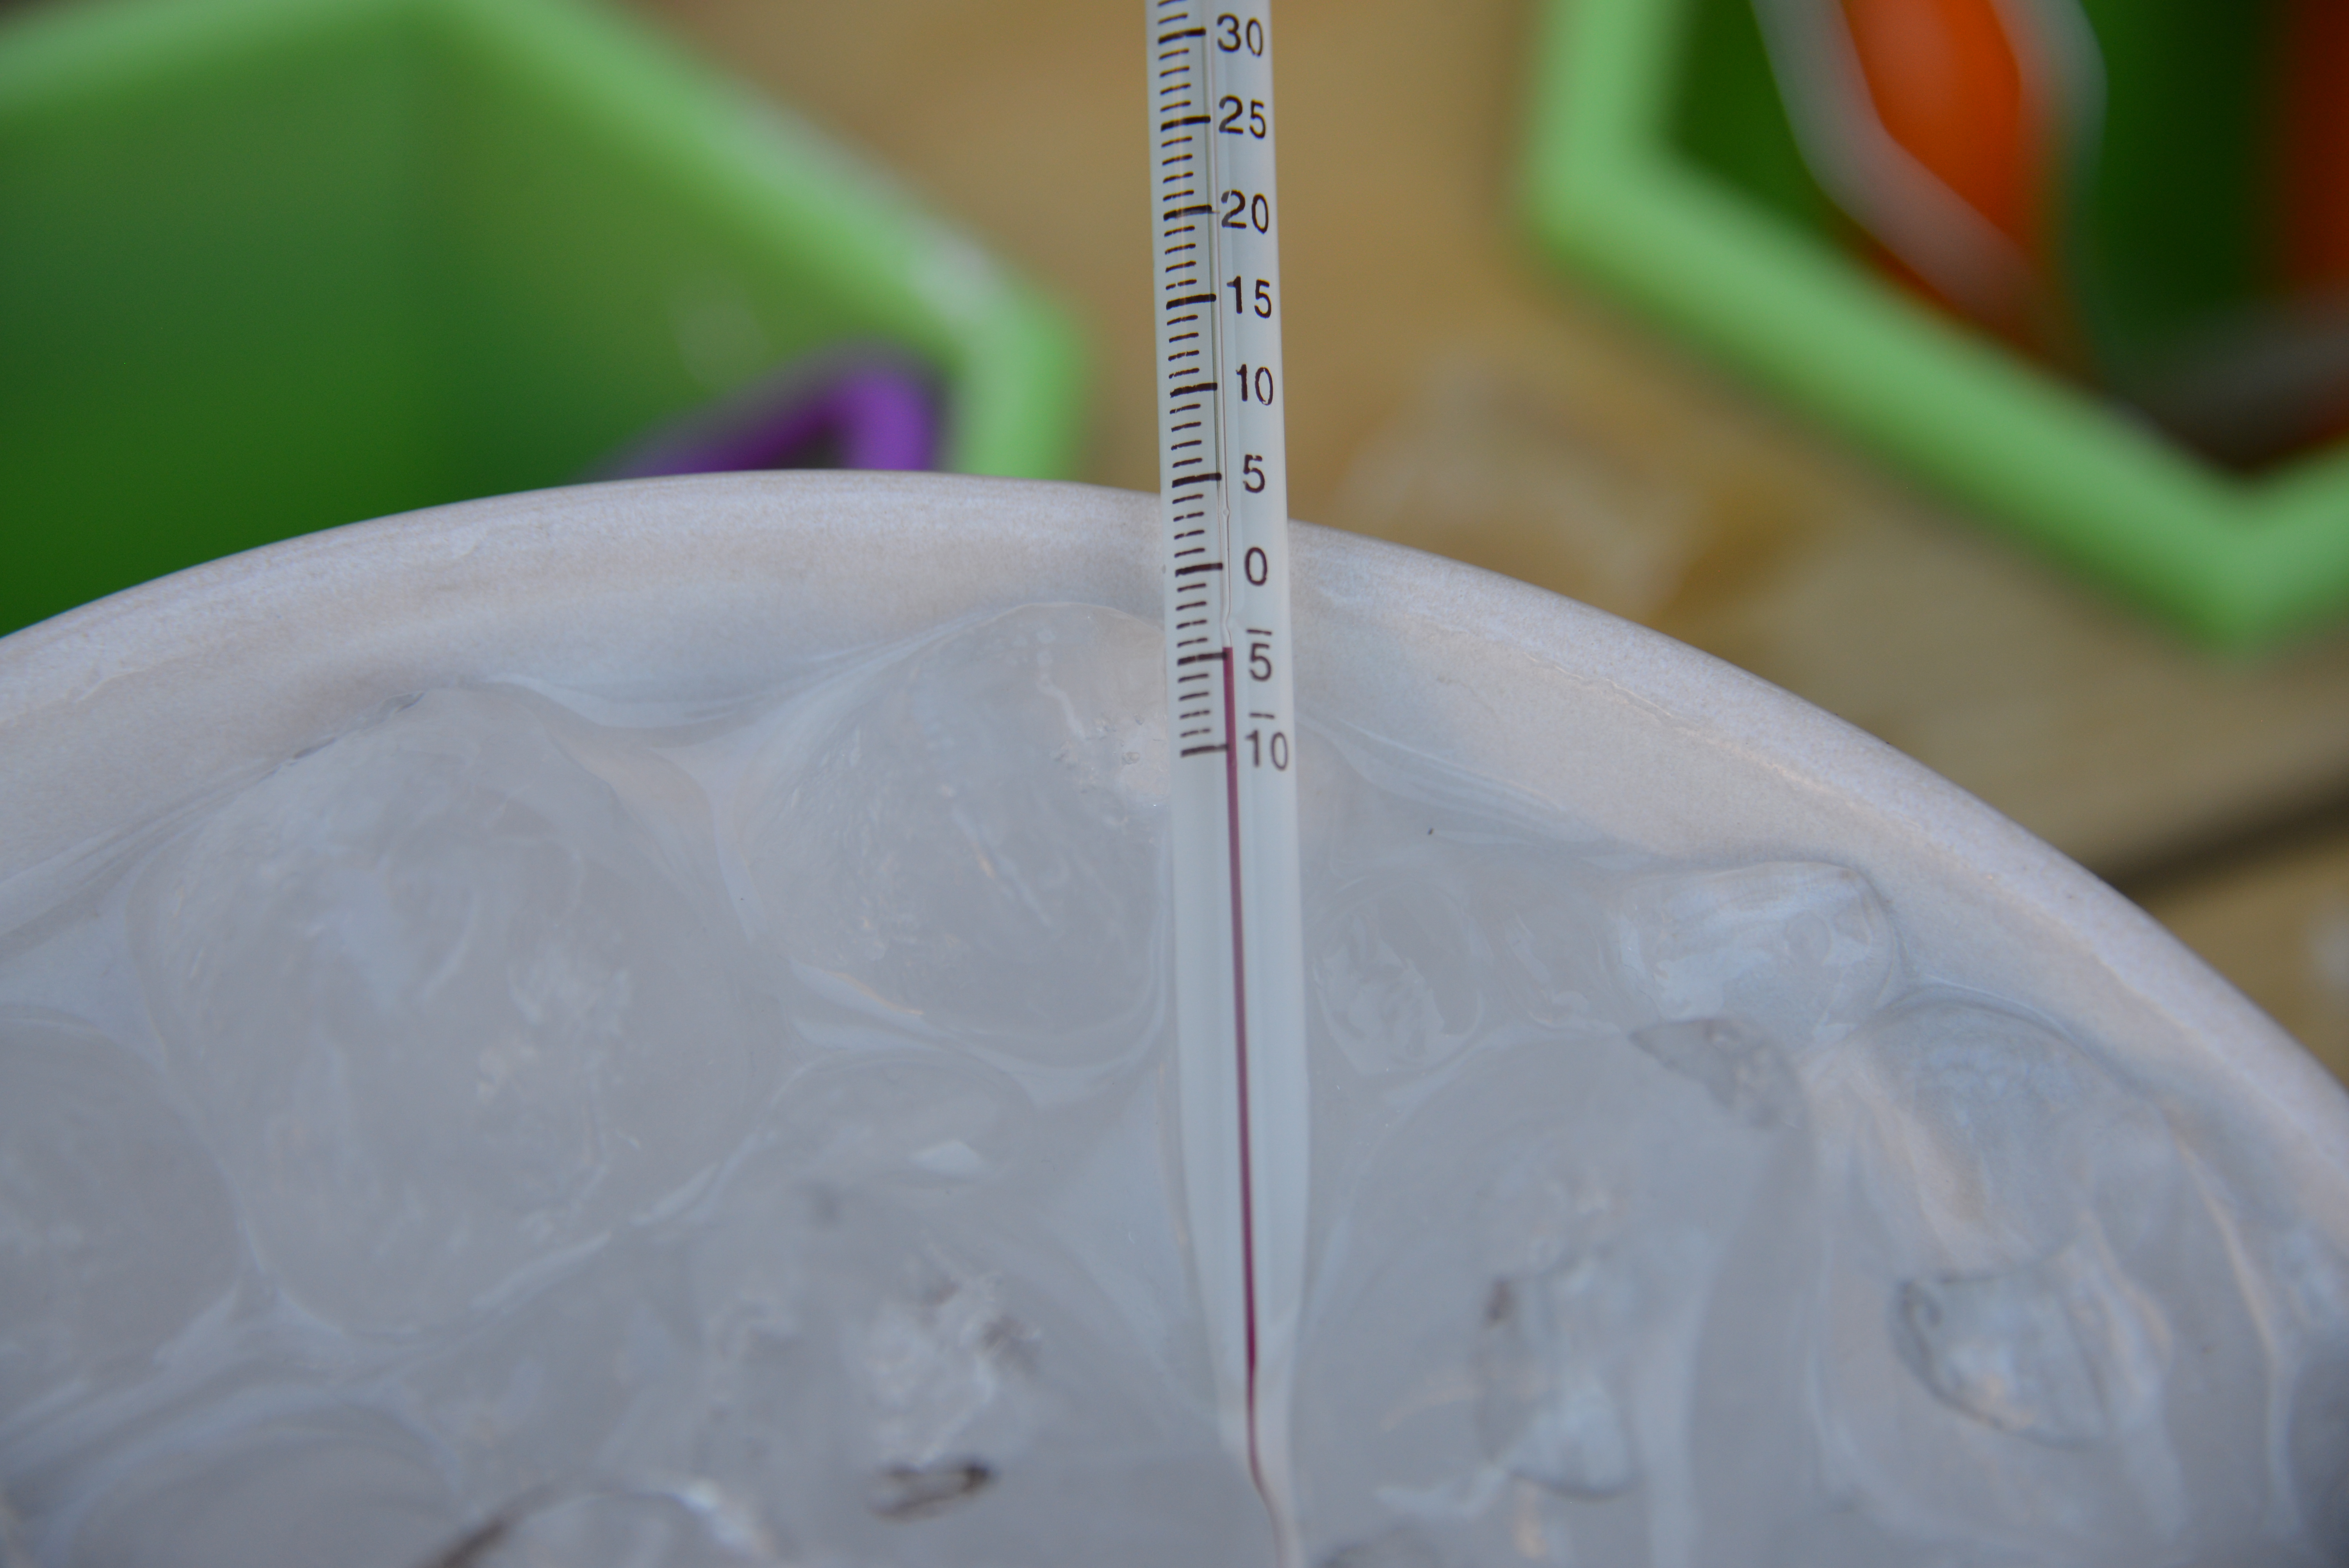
2276, 922
1451, 391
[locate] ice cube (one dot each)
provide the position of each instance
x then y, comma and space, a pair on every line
972, 832
443, 1010
1989, 1140
346, 1486
115, 1227
2063, 1352
1526, 1283
1797, 950
943, 1363
1555, 1402
2017, 1256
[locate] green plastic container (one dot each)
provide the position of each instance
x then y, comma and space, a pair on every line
1661, 164
271, 265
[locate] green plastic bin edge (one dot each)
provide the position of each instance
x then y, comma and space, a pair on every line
1015, 362
2239, 565
1015, 359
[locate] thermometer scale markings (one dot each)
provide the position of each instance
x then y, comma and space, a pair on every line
1239, 972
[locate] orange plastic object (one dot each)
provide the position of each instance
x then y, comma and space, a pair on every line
2316, 94
1960, 93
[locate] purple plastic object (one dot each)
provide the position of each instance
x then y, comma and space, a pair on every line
840, 411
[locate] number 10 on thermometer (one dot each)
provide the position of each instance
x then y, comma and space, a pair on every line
1240, 1002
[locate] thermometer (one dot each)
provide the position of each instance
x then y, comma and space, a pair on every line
1239, 945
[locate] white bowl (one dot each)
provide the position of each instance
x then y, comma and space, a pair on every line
678, 589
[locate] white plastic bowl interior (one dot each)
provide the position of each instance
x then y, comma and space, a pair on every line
681, 590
